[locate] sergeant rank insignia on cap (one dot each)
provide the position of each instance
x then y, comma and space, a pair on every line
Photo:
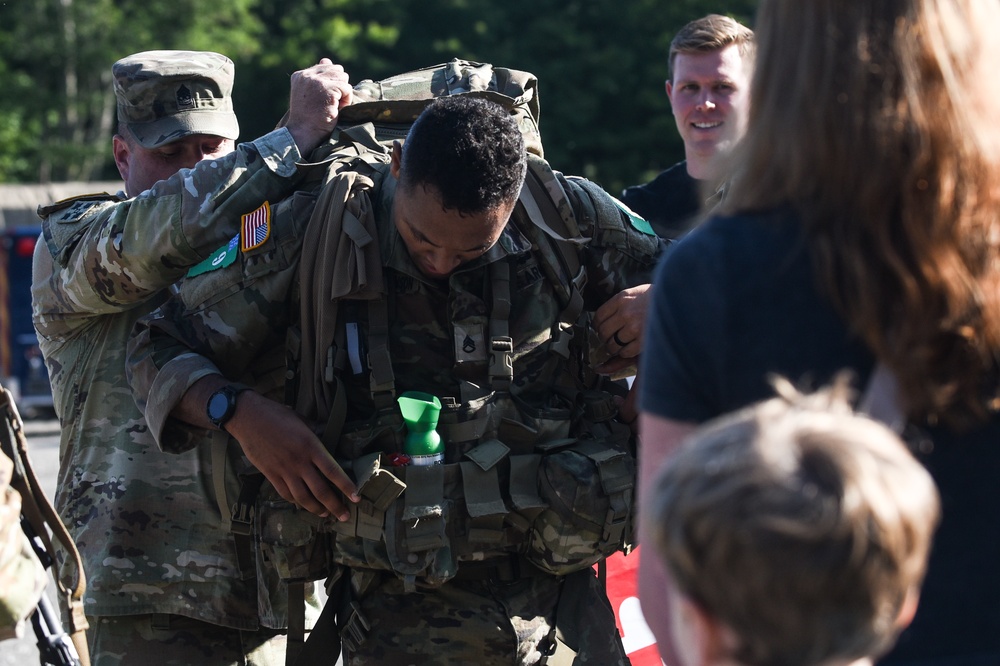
255, 228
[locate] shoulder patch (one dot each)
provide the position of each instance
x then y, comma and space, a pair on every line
221, 258
255, 228
638, 222
72, 208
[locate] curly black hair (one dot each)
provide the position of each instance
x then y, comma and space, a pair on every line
469, 150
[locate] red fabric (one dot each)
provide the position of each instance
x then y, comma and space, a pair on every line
639, 642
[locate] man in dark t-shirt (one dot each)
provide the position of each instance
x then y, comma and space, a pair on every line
710, 62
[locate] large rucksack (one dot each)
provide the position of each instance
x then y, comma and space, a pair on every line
391, 105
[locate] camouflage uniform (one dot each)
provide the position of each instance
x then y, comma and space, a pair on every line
146, 523
437, 333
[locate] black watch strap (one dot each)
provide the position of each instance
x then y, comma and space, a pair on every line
222, 405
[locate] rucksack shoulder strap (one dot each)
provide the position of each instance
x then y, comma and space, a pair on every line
548, 208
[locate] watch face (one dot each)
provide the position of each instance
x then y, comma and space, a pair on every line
218, 407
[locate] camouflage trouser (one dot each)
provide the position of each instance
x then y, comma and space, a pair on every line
173, 640
485, 623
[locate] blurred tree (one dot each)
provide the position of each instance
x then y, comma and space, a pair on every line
601, 66
57, 112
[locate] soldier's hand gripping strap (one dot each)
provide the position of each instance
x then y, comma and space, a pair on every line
38, 511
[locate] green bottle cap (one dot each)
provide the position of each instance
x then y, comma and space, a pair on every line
420, 413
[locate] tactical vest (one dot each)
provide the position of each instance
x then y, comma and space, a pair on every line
551, 486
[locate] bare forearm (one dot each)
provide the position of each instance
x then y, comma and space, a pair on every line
659, 440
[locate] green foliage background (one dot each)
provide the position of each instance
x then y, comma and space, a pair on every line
601, 65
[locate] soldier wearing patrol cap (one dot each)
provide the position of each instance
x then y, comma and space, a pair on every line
164, 581
167, 95
174, 109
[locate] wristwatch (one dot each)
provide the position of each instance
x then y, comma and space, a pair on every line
221, 405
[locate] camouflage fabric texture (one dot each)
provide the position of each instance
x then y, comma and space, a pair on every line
146, 523
487, 623
237, 316
180, 641
22, 577
166, 95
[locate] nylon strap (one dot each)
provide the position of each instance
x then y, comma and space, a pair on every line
501, 368
423, 507
483, 499
382, 380
338, 413
242, 520
546, 217
524, 482
296, 622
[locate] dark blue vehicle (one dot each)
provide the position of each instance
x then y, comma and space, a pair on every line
22, 369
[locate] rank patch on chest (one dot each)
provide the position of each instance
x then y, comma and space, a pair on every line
469, 343
255, 228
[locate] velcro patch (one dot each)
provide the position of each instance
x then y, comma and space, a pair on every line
638, 222
221, 258
255, 228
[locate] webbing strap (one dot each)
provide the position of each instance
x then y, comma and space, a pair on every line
534, 197
524, 483
484, 503
483, 500
296, 622
382, 379
423, 513
220, 442
242, 524
501, 368
335, 419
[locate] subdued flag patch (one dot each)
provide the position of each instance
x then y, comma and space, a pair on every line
255, 228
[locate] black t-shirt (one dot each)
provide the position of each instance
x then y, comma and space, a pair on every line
736, 299
670, 202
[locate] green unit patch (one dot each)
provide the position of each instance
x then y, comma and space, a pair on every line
221, 258
638, 222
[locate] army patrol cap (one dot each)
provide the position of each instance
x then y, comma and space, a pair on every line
164, 96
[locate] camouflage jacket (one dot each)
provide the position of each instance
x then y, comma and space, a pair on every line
238, 315
437, 334
145, 522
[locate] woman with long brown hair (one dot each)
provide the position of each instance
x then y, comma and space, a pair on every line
861, 226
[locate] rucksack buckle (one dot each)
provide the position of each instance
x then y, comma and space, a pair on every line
355, 629
242, 518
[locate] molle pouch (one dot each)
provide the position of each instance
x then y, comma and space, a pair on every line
386, 433
294, 542
588, 488
523, 427
416, 538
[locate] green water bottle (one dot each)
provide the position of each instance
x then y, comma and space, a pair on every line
423, 443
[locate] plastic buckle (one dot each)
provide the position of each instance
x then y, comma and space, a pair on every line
355, 630
242, 518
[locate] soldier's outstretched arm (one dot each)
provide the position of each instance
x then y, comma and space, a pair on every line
108, 255
172, 379
317, 95
279, 444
